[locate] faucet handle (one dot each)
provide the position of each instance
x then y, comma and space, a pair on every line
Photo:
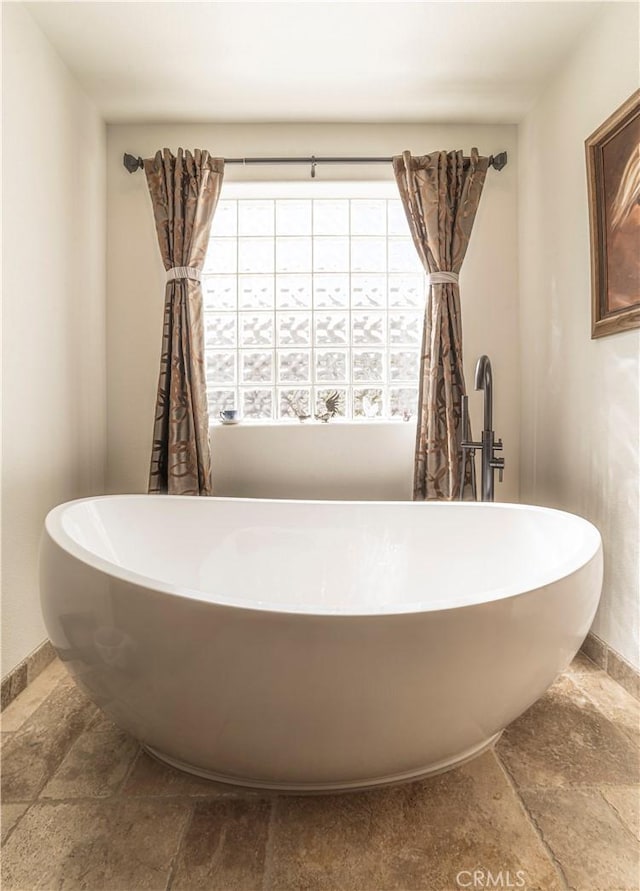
498, 464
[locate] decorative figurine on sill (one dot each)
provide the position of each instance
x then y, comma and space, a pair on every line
230, 416
333, 403
297, 409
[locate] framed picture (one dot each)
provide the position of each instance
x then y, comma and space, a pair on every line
613, 174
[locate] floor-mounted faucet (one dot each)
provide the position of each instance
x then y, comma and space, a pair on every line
489, 445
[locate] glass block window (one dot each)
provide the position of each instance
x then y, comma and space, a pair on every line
307, 297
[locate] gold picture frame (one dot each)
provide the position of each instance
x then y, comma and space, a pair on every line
613, 179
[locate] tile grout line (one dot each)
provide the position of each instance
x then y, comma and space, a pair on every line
623, 733
108, 793
593, 702
117, 792
32, 714
174, 860
550, 854
179, 798
613, 808
576, 678
183, 798
268, 854
575, 787
17, 823
56, 763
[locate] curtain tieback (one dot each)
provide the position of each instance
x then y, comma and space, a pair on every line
184, 272
442, 278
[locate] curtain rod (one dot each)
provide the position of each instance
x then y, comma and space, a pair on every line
132, 163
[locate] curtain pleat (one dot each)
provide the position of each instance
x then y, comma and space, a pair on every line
440, 193
184, 193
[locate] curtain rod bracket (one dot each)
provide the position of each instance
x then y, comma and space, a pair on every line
499, 161
313, 166
132, 163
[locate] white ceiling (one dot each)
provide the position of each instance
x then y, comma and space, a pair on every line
327, 61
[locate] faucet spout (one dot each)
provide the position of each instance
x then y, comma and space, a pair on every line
484, 381
489, 444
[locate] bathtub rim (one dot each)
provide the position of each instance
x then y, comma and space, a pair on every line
53, 528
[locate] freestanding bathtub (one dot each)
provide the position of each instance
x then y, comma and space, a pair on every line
315, 646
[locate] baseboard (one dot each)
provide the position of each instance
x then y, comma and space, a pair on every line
22, 675
613, 663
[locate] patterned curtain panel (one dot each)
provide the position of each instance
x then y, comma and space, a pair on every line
184, 192
440, 193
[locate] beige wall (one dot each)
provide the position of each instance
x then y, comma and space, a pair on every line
54, 396
135, 298
580, 397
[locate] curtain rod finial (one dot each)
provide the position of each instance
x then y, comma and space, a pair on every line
500, 161
132, 163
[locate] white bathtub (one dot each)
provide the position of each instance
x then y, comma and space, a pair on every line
315, 645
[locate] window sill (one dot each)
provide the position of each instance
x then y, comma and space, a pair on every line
336, 422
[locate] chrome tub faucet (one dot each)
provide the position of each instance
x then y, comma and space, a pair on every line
489, 445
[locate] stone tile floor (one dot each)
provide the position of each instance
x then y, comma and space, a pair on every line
555, 806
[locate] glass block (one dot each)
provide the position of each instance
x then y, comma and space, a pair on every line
367, 328
256, 329
331, 328
293, 254
255, 292
397, 219
403, 256
403, 402
294, 366
369, 291
293, 291
407, 290
293, 217
294, 328
220, 400
256, 367
221, 256
257, 403
225, 218
405, 328
322, 394
255, 217
368, 365
221, 367
404, 365
293, 403
256, 254
368, 403
331, 216
368, 216
368, 254
219, 292
331, 365
220, 330
330, 254
331, 291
